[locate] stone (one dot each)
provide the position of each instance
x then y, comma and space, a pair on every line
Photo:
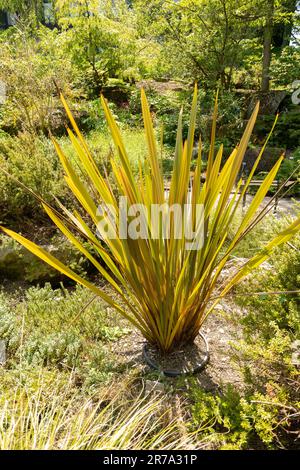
2, 352
152, 386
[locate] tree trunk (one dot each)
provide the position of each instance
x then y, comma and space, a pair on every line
267, 52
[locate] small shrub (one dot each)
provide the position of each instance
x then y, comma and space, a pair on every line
32, 161
219, 418
47, 328
30, 62
59, 348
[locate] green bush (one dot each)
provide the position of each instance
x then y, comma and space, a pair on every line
267, 354
59, 348
219, 418
286, 133
283, 275
285, 67
231, 421
32, 160
30, 63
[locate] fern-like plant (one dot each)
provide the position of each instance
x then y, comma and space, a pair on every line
162, 288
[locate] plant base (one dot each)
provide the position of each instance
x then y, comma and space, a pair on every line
190, 360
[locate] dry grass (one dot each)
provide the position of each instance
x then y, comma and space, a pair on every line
57, 416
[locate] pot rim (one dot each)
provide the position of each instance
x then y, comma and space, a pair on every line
176, 372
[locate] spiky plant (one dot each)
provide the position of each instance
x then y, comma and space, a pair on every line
163, 289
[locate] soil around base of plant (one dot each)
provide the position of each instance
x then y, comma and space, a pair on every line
186, 359
220, 329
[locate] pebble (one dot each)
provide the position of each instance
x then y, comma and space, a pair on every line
2, 352
152, 386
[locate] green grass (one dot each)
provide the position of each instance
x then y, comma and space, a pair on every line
101, 144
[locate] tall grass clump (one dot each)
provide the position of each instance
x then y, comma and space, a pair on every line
42, 417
